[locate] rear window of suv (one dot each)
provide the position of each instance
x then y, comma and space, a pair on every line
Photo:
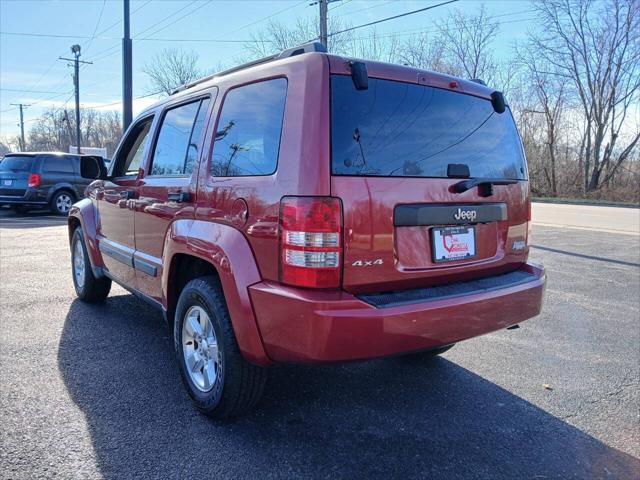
396, 129
16, 163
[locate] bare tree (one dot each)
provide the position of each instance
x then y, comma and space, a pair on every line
55, 130
277, 37
171, 68
5, 147
466, 40
596, 47
547, 89
427, 52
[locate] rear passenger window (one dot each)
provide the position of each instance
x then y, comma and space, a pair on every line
179, 140
248, 136
58, 164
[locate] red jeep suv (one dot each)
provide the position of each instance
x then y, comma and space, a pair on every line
312, 208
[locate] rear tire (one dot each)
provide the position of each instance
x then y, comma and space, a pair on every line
88, 288
220, 381
61, 202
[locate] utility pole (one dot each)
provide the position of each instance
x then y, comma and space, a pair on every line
127, 77
21, 106
323, 21
75, 49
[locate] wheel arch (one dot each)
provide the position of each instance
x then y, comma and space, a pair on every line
55, 189
200, 248
82, 215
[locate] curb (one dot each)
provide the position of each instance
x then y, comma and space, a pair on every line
578, 201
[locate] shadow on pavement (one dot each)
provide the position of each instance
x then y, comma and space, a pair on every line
587, 257
385, 418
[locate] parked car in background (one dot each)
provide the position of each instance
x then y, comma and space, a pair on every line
32, 179
311, 208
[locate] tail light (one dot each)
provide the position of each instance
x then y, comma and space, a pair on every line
311, 242
34, 180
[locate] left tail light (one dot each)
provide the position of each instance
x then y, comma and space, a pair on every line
311, 242
34, 180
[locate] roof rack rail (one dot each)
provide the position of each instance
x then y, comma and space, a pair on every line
289, 52
479, 80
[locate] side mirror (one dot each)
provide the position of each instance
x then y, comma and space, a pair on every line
92, 167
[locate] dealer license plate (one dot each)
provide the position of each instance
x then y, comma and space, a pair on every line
453, 243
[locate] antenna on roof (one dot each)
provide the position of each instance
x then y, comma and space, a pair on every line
289, 52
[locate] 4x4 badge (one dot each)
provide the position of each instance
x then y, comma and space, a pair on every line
367, 263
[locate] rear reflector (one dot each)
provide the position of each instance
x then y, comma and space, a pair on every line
34, 180
311, 241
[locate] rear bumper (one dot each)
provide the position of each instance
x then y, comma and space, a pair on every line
308, 326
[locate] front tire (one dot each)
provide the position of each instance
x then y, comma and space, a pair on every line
61, 202
88, 288
218, 378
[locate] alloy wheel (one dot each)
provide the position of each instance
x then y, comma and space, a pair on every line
78, 263
64, 202
203, 359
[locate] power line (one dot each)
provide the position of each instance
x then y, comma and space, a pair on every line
49, 98
136, 98
342, 4
120, 20
392, 18
367, 8
432, 30
211, 40
93, 35
113, 50
291, 7
168, 17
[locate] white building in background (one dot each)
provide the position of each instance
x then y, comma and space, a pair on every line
89, 150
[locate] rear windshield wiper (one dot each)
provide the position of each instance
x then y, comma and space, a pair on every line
485, 185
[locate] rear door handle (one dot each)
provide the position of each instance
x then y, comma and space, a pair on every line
128, 194
179, 197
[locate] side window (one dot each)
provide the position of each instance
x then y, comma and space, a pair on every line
248, 134
58, 164
178, 142
129, 157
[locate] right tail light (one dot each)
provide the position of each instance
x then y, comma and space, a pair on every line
311, 242
34, 180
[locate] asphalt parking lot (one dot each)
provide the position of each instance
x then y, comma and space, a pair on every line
94, 392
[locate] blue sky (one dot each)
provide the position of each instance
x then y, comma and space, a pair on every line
30, 72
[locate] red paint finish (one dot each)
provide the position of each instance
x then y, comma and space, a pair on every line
228, 251
405, 252
154, 215
315, 327
233, 223
115, 216
84, 212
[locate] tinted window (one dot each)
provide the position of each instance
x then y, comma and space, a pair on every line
16, 163
248, 135
58, 164
408, 130
178, 141
195, 143
130, 155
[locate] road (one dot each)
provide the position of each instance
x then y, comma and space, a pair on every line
586, 217
94, 391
